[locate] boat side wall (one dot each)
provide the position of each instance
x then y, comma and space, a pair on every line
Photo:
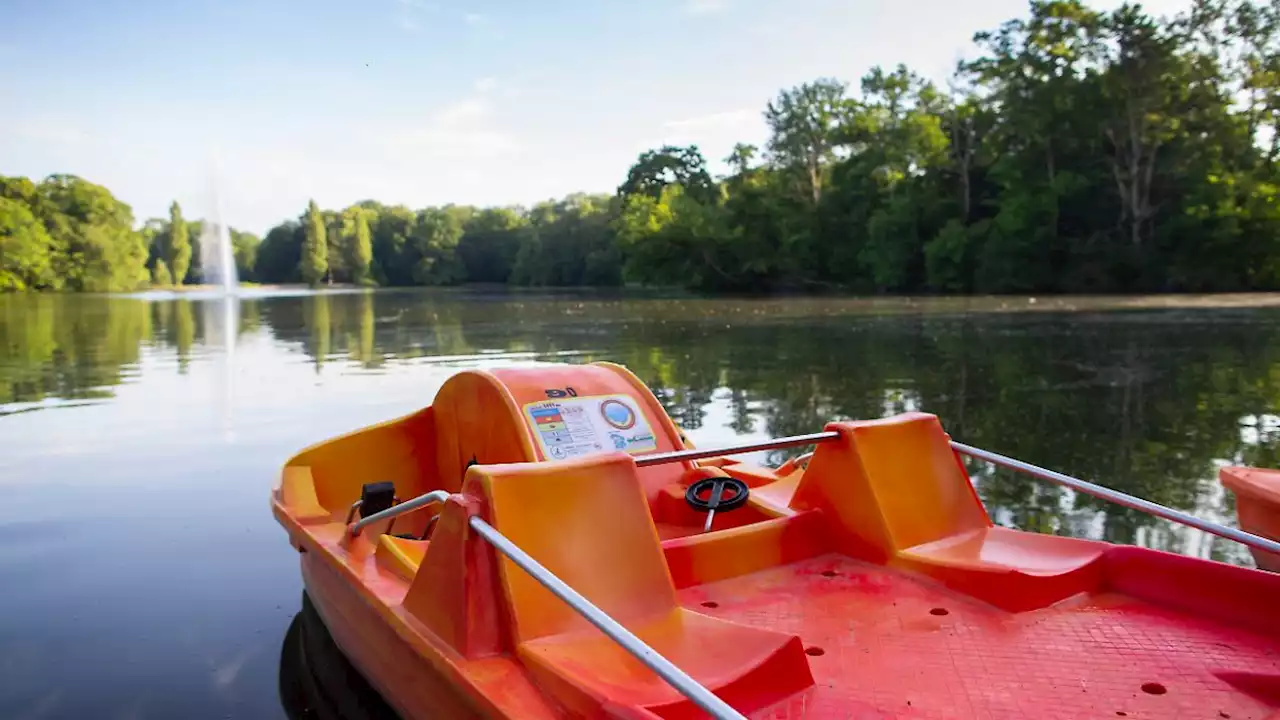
404, 678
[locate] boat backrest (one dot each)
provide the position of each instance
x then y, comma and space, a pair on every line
552, 413
476, 419
891, 484
588, 522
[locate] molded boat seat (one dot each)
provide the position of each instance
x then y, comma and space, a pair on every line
588, 522
746, 667
1011, 569
778, 494
401, 555
897, 493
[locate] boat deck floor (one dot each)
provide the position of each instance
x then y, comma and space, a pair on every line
886, 644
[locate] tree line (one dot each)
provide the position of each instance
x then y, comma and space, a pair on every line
1081, 151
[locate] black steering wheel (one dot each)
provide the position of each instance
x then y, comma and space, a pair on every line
719, 493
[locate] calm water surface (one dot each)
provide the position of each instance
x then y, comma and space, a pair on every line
143, 576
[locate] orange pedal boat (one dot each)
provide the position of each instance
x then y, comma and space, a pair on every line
1257, 494
543, 543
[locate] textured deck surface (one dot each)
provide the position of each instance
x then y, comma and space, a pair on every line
884, 644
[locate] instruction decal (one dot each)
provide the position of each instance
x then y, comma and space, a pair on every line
575, 426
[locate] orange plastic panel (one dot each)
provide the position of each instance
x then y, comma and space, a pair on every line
481, 416
388, 451
456, 591
1257, 506
400, 556
922, 490
572, 383
891, 484
704, 558
476, 419
748, 667
1011, 569
586, 521
298, 494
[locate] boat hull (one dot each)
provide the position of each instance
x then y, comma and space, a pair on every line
872, 583
1257, 494
402, 676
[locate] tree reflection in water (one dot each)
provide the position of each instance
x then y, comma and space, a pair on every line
1149, 402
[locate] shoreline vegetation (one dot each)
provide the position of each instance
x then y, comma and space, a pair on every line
835, 303
1081, 152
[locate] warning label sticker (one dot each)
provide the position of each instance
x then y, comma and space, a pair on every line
573, 427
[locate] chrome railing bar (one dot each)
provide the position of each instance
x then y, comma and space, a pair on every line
677, 678
434, 496
1115, 496
774, 444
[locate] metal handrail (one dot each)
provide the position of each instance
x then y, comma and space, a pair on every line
1115, 496
677, 678
434, 496
774, 444
1088, 488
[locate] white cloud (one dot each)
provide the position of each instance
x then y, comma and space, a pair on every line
475, 19
47, 129
408, 18
705, 7
722, 120
470, 110
459, 130
484, 85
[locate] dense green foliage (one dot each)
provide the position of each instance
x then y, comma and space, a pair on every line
315, 248
67, 233
160, 275
177, 249
1083, 151
1080, 151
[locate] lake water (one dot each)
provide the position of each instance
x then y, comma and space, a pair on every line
143, 576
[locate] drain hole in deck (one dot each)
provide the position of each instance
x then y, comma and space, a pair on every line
711, 604
814, 650
1154, 689
829, 573
939, 611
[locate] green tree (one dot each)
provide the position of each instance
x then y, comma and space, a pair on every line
26, 250
431, 252
244, 249
160, 276
391, 229
95, 247
178, 251
279, 256
490, 241
570, 243
315, 250
360, 245
669, 165
804, 131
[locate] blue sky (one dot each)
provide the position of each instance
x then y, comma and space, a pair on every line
422, 101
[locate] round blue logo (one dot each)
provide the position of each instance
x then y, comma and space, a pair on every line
618, 414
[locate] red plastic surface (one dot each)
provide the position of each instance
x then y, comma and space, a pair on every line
892, 645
